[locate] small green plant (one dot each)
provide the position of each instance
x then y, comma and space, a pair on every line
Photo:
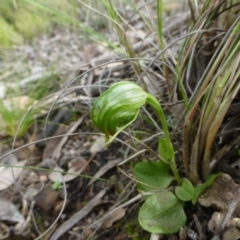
14, 107
12, 111
163, 211
23, 19
57, 185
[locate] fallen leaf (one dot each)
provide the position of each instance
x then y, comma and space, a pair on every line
9, 212
56, 175
214, 197
76, 166
9, 174
113, 217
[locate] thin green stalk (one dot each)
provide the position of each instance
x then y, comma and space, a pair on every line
153, 102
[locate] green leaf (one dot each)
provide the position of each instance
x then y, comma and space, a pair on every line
165, 150
57, 185
186, 191
162, 213
201, 187
155, 174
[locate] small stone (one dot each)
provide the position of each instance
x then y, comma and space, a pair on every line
46, 223
43, 178
46, 199
76, 144
72, 152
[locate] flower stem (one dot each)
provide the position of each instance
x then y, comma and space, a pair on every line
154, 103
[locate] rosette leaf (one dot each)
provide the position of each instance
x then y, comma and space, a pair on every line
117, 108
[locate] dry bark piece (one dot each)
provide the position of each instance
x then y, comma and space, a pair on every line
223, 195
214, 197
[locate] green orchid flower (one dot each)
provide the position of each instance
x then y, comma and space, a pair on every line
117, 108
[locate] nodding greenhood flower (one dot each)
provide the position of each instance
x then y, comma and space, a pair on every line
117, 108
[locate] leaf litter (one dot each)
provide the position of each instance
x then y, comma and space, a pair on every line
10, 172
